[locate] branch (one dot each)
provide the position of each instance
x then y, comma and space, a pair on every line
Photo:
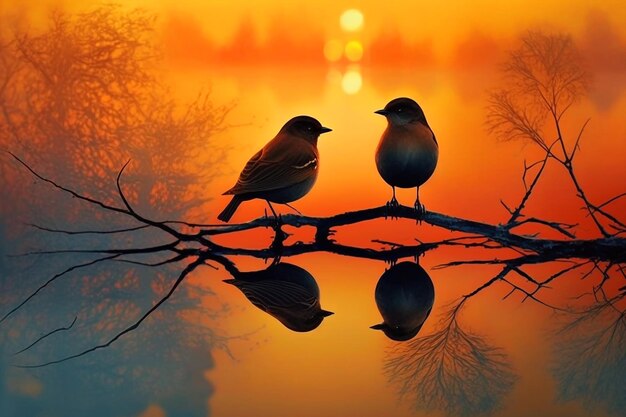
530, 248
54, 278
130, 328
60, 329
86, 232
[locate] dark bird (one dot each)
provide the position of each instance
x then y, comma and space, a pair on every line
285, 292
404, 295
407, 153
283, 171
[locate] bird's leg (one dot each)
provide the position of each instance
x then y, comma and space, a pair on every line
293, 208
391, 204
272, 209
419, 207
393, 201
279, 236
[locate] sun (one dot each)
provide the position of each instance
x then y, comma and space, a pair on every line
351, 20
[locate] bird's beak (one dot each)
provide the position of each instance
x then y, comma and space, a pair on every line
379, 326
382, 112
325, 130
325, 313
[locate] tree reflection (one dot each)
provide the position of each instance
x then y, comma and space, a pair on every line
450, 369
165, 366
590, 360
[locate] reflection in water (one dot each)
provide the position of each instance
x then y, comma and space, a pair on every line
285, 292
450, 370
404, 296
590, 359
351, 82
162, 364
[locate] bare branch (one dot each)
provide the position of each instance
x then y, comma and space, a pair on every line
54, 278
617, 197
87, 232
60, 329
191, 267
67, 190
559, 227
577, 143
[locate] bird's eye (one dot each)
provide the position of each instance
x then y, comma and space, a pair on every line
309, 128
400, 110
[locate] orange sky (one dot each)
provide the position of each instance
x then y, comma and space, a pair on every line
454, 49
464, 44
445, 24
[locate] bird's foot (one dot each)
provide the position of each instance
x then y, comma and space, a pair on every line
278, 222
391, 206
279, 235
420, 210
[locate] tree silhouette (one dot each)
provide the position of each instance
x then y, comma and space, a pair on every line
75, 98
85, 94
544, 79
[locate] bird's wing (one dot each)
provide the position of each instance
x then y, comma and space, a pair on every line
276, 166
275, 295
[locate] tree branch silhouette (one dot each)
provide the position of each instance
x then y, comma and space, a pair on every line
544, 79
533, 249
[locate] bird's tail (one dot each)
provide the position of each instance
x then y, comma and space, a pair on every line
230, 209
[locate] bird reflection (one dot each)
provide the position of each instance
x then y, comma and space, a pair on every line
286, 292
404, 296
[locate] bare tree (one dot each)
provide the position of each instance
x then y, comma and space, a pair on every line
85, 94
544, 78
75, 98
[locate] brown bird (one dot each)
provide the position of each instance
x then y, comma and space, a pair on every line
283, 171
407, 154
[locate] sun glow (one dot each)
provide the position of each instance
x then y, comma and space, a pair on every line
333, 49
352, 81
354, 51
351, 20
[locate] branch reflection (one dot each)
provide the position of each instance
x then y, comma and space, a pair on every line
450, 369
163, 367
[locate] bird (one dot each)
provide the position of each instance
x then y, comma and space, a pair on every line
286, 292
408, 151
404, 296
284, 170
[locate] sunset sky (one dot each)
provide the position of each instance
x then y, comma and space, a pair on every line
340, 61
443, 24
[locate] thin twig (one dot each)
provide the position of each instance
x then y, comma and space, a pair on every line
60, 329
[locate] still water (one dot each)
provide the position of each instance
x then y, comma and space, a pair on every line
231, 349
